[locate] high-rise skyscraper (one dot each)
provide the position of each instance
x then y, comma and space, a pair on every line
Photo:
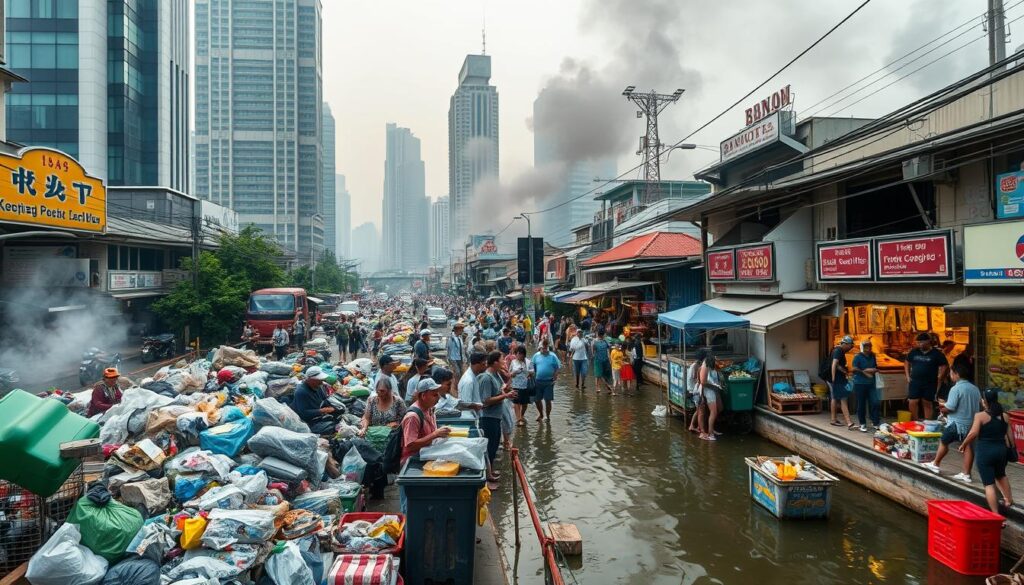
109, 85
258, 115
329, 193
344, 223
579, 205
440, 245
368, 250
405, 230
472, 141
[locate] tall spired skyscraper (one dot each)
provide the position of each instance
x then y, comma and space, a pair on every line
406, 228
472, 141
258, 115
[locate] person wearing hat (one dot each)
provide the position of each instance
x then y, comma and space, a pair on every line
865, 366
105, 393
838, 386
422, 348
455, 348
925, 368
310, 402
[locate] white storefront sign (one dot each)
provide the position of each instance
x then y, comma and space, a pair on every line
751, 138
994, 254
133, 279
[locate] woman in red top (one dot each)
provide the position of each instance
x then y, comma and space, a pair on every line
105, 393
419, 427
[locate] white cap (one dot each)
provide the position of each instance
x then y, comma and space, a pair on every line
424, 332
315, 373
426, 385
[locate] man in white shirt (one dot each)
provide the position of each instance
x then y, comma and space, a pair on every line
579, 351
455, 348
468, 390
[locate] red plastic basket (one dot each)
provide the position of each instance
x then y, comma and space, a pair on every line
1017, 427
373, 517
964, 537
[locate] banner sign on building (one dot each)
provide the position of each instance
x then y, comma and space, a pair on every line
1010, 195
129, 280
769, 105
751, 138
923, 257
484, 247
850, 260
994, 254
721, 265
756, 263
48, 188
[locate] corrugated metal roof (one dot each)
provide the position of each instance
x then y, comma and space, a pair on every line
650, 246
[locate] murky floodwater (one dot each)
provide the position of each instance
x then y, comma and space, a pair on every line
655, 505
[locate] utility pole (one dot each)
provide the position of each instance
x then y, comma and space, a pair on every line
996, 31
529, 248
651, 104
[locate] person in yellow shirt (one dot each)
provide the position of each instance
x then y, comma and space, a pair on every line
528, 326
618, 358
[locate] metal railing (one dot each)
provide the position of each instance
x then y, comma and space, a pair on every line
546, 542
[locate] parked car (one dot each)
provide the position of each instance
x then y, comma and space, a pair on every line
436, 317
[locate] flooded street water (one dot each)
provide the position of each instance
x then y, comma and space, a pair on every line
656, 505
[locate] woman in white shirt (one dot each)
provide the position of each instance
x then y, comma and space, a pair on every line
521, 369
693, 388
579, 352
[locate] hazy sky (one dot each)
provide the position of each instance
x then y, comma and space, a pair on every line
398, 61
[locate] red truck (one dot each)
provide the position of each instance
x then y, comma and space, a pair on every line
270, 307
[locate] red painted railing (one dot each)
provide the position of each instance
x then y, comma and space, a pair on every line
546, 542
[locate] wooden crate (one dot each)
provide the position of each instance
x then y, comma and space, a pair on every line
809, 405
776, 376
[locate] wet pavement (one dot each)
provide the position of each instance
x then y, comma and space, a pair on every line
656, 505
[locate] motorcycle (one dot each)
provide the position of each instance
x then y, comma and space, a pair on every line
94, 362
158, 347
8, 381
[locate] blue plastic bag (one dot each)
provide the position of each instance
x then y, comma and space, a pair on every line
187, 486
231, 414
247, 470
227, 441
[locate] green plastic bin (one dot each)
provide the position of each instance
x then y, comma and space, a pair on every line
440, 526
739, 394
31, 432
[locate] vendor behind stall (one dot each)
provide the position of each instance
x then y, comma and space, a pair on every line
105, 393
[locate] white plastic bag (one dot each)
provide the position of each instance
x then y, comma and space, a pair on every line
228, 527
271, 413
288, 568
469, 453
212, 569
353, 466
63, 561
660, 410
252, 486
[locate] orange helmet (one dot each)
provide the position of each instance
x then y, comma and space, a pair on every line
111, 373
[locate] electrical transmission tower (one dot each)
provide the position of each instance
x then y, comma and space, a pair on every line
651, 104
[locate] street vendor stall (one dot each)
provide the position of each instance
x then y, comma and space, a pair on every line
695, 318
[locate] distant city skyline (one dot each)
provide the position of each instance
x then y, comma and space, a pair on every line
405, 231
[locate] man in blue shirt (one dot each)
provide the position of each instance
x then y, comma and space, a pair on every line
422, 347
545, 367
963, 403
310, 402
455, 349
505, 341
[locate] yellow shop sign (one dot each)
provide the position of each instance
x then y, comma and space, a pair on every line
47, 187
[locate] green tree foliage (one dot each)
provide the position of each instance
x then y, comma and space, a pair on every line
213, 311
331, 277
252, 255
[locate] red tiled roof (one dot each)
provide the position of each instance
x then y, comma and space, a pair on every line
651, 246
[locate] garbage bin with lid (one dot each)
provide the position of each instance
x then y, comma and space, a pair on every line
440, 528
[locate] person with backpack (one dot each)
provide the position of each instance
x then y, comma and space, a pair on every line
418, 430
838, 383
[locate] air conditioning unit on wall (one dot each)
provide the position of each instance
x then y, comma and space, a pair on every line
918, 167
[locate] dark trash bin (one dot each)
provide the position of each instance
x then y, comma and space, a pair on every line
440, 528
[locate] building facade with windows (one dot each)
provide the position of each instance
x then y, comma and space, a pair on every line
405, 235
472, 142
109, 85
330, 206
440, 246
344, 214
258, 115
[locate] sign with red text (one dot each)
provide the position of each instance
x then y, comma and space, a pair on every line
769, 105
751, 138
755, 263
721, 265
850, 260
924, 257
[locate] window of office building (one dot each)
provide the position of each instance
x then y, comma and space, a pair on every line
134, 258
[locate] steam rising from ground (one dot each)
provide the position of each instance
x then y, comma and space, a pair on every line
581, 111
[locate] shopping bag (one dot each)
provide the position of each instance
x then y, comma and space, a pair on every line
469, 453
63, 561
361, 570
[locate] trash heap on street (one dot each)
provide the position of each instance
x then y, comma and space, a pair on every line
210, 477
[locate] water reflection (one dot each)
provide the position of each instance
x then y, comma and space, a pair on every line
656, 505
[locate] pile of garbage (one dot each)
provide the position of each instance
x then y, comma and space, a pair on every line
210, 477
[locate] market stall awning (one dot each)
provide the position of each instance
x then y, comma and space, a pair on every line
614, 285
740, 305
701, 317
781, 313
989, 302
127, 296
499, 278
576, 297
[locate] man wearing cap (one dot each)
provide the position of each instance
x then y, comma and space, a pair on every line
840, 390
105, 393
310, 402
422, 348
419, 427
455, 348
925, 367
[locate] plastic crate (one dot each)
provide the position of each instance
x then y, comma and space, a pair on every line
964, 537
442, 513
1017, 426
924, 446
372, 517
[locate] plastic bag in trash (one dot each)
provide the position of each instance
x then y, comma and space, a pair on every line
230, 527
153, 495
240, 556
192, 532
296, 448
252, 486
286, 566
203, 567
353, 465
322, 502
229, 497
228, 438
107, 526
63, 561
469, 453
362, 365
154, 540
660, 410
134, 571
186, 486
276, 368
195, 460
268, 412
